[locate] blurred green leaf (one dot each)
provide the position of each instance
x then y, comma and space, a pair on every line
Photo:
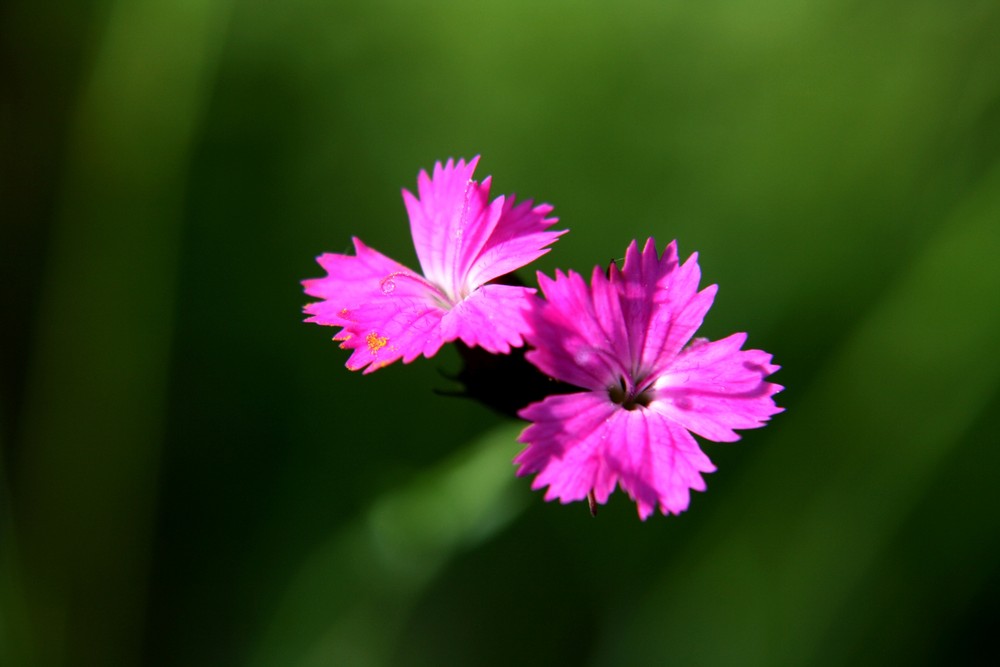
348, 599
95, 404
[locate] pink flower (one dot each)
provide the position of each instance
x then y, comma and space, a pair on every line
387, 311
644, 389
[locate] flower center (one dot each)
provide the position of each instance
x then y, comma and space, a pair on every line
630, 400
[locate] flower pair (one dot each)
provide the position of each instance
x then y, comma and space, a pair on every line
641, 385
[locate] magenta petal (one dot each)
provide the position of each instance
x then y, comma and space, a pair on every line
518, 239
450, 213
660, 463
569, 334
492, 317
636, 320
580, 443
565, 444
351, 280
661, 303
387, 311
639, 284
402, 322
462, 239
715, 387
387, 336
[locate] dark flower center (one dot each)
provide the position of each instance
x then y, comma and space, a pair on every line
629, 400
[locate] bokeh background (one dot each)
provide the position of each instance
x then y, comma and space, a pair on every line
191, 477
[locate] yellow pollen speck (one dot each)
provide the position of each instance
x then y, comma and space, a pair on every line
375, 342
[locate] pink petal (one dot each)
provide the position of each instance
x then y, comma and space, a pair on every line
660, 302
402, 322
639, 283
351, 280
580, 443
492, 317
660, 463
714, 387
518, 239
462, 239
565, 444
577, 332
623, 327
450, 213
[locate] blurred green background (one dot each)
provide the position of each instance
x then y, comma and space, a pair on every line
191, 477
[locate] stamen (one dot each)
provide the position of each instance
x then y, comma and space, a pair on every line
630, 400
375, 342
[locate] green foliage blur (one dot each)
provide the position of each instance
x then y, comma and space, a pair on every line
191, 477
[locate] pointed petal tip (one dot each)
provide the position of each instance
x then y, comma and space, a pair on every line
644, 511
451, 165
633, 249
542, 209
